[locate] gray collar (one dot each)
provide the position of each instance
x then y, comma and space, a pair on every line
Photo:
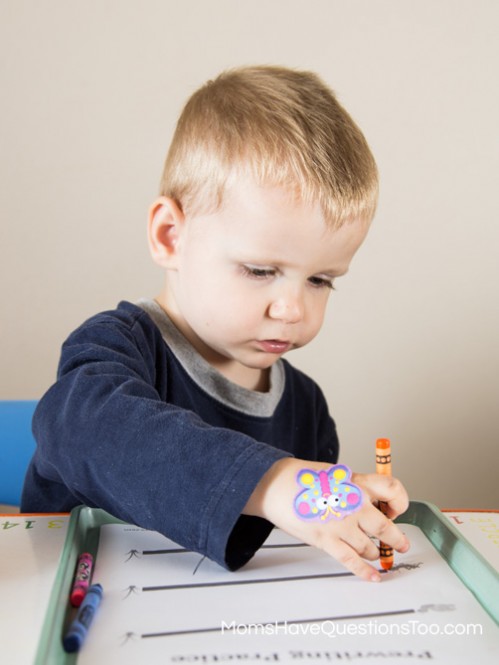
208, 378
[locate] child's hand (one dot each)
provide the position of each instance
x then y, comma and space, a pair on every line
346, 540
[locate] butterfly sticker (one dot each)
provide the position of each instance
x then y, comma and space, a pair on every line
327, 494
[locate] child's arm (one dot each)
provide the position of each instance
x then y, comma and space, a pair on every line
346, 540
109, 436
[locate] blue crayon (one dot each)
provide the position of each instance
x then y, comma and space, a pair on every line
78, 630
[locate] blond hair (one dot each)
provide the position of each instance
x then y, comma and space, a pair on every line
283, 127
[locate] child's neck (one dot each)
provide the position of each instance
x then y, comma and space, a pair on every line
258, 380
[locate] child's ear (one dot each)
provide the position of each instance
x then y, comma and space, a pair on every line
165, 224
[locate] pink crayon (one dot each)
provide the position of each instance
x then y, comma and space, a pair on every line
82, 579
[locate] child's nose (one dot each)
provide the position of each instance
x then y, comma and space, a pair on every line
288, 308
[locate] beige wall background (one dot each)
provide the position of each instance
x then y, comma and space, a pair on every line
90, 92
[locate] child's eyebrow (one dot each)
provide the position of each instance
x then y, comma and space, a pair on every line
336, 272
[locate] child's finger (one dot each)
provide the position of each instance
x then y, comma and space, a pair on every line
373, 522
346, 555
384, 488
360, 542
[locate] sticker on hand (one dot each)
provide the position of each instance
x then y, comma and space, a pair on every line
327, 494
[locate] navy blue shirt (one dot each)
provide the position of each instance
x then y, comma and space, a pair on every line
126, 428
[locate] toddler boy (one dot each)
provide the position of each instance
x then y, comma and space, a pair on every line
179, 414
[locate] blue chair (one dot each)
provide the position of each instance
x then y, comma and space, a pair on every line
16, 447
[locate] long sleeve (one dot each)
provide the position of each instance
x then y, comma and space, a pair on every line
108, 437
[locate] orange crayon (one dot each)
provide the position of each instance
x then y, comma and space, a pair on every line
384, 468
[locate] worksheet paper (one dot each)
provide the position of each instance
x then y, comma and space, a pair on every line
481, 528
30, 547
290, 604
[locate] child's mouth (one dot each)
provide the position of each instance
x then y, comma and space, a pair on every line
274, 345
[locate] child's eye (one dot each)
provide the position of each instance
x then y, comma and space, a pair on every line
258, 273
322, 282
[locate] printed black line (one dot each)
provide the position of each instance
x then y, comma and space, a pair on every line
197, 565
175, 587
180, 550
345, 617
283, 545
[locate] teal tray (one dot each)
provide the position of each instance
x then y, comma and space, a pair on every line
83, 536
